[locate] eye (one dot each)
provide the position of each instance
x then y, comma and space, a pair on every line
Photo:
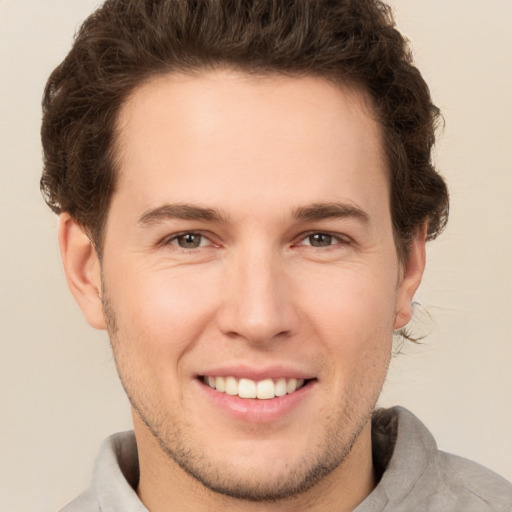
320, 240
189, 240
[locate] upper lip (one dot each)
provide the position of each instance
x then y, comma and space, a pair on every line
257, 374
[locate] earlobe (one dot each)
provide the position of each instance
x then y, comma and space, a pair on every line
412, 273
82, 268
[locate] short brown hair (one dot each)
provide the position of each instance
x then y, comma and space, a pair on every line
127, 42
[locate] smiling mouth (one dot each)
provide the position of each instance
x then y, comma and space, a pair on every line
246, 388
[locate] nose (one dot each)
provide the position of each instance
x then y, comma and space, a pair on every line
257, 299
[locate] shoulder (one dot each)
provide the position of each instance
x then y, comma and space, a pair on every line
418, 476
115, 478
469, 482
86, 502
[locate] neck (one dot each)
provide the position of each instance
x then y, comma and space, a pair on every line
164, 486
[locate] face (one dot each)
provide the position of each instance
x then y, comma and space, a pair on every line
250, 279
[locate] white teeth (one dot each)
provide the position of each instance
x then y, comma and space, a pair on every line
220, 384
247, 388
265, 389
231, 386
291, 385
281, 387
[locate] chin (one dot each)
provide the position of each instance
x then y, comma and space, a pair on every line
259, 470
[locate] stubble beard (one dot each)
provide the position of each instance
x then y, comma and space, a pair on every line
218, 477
340, 434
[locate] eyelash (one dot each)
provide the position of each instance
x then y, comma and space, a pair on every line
336, 238
173, 240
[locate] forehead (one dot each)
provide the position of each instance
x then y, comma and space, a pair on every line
274, 136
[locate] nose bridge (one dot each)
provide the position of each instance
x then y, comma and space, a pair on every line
257, 304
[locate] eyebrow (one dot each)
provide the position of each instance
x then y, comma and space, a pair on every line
311, 213
322, 211
182, 212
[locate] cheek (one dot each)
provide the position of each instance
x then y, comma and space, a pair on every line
162, 312
354, 304
159, 321
353, 317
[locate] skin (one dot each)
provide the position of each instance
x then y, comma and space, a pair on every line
278, 281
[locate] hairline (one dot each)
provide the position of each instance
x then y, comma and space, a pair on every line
357, 90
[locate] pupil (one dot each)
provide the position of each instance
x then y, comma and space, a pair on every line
189, 241
320, 240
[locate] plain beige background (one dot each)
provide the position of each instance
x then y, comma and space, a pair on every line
59, 391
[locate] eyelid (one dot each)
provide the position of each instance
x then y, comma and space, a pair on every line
340, 237
169, 239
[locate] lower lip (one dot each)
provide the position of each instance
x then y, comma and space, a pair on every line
255, 410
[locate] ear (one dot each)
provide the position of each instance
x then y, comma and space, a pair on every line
82, 268
412, 272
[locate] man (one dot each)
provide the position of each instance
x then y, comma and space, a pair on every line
245, 191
